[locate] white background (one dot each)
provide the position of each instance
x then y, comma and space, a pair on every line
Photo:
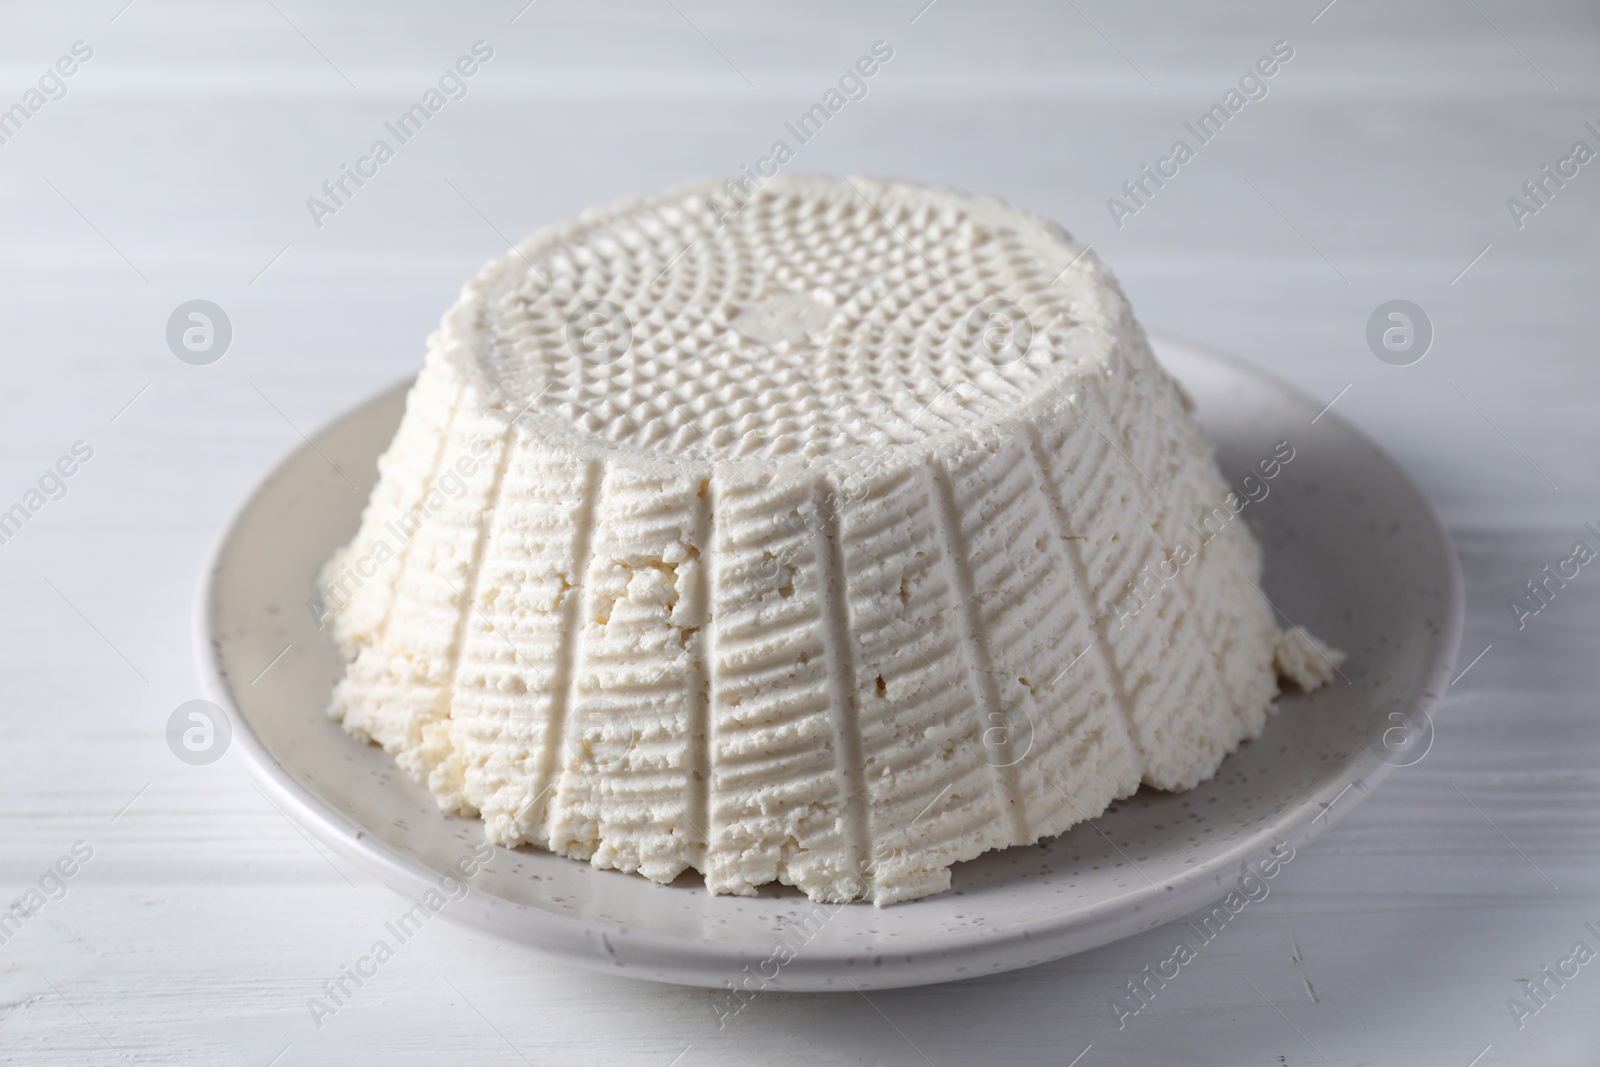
177, 166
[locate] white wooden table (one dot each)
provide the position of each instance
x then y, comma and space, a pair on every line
177, 165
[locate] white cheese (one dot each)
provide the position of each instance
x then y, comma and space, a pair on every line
805, 566
1304, 659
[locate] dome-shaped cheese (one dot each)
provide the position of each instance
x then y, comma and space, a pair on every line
831, 533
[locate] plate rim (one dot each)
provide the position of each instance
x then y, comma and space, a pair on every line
592, 943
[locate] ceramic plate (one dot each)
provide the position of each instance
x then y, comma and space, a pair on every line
1353, 551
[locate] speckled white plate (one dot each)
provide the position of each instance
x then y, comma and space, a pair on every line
1353, 551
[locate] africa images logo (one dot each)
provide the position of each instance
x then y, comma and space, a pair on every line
51, 85
1136, 994
1252, 85
452, 85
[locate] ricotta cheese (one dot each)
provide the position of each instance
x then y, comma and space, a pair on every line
785, 546
1305, 659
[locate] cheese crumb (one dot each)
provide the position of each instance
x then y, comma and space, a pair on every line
1306, 660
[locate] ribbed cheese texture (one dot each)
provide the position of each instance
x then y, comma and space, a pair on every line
829, 533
